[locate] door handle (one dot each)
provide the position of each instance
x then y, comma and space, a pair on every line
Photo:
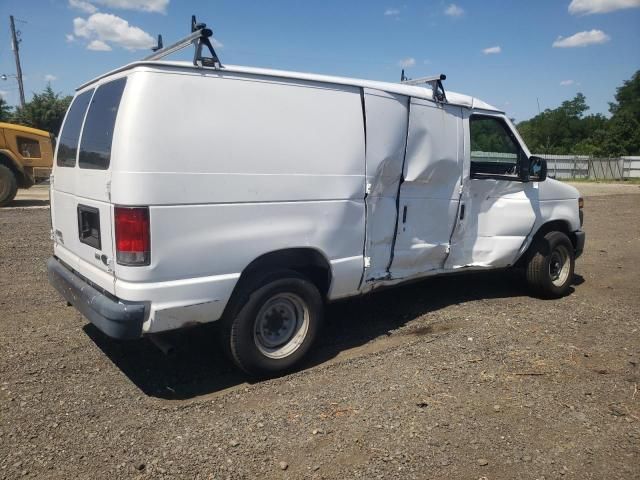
462, 212
404, 214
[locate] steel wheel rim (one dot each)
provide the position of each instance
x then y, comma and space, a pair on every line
281, 325
559, 265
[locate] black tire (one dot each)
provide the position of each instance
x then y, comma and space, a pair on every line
551, 265
8, 186
280, 298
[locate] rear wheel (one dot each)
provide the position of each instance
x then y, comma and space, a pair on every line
551, 264
275, 323
8, 186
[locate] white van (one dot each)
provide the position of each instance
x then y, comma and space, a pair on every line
187, 194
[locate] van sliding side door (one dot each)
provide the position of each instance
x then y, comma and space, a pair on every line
430, 191
387, 119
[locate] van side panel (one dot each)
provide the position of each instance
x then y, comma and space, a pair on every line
233, 167
387, 122
430, 191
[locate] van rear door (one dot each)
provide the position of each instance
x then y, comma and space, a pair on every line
81, 211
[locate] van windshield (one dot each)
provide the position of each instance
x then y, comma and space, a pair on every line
97, 135
70, 134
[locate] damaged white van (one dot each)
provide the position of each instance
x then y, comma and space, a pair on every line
183, 194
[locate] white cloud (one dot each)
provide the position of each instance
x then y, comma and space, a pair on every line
50, 78
391, 12
83, 6
407, 62
104, 29
492, 50
69, 38
155, 6
566, 83
454, 10
587, 7
98, 46
582, 39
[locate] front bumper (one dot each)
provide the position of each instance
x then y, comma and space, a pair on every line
580, 239
116, 318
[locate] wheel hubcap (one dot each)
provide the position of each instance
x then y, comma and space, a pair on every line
281, 325
559, 265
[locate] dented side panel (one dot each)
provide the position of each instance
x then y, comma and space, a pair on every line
387, 122
499, 216
430, 191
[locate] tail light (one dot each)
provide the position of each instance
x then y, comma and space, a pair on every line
133, 237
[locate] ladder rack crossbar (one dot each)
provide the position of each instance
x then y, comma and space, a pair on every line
174, 47
199, 37
421, 80
435, 82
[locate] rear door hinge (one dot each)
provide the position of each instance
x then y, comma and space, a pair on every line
109, 190
367, 189
367, 262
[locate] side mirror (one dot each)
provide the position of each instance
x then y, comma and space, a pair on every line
537, 168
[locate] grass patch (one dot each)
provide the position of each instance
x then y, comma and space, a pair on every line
626, 181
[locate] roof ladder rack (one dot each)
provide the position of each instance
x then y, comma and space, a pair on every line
439, 94
199, 37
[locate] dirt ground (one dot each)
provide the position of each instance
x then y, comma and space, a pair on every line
457, 377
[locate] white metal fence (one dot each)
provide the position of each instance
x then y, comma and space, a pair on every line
580, 166
576, 166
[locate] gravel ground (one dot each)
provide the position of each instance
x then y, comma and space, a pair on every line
458, 377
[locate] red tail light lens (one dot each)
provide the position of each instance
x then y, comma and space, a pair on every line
133, 238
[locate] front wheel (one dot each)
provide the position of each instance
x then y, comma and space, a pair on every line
275, 325
551, 264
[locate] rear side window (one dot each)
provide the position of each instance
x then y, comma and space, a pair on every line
70, 134
28, 147
97, 135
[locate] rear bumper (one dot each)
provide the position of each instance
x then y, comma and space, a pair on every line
580, 239
116, 318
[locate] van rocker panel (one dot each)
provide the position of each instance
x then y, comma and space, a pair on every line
120, 320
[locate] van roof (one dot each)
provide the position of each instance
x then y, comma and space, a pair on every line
398, 88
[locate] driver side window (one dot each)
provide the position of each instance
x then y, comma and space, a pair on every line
495, 153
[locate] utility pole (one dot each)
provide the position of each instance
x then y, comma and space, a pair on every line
16, 53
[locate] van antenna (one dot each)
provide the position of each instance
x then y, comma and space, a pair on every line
199, 37
437, 88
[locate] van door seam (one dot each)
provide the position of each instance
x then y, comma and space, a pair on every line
366, 210
400, 182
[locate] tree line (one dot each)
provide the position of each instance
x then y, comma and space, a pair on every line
564, 130
45, 111
569, 130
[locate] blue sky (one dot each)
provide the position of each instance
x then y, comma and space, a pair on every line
68, 42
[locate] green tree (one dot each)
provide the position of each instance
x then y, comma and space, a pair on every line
5, 111
45, 111
628, 98
623, 135
559, 130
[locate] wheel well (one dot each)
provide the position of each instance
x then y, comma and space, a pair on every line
6, 161
306, 261
552, 226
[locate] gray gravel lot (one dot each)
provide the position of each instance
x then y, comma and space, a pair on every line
457, 377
